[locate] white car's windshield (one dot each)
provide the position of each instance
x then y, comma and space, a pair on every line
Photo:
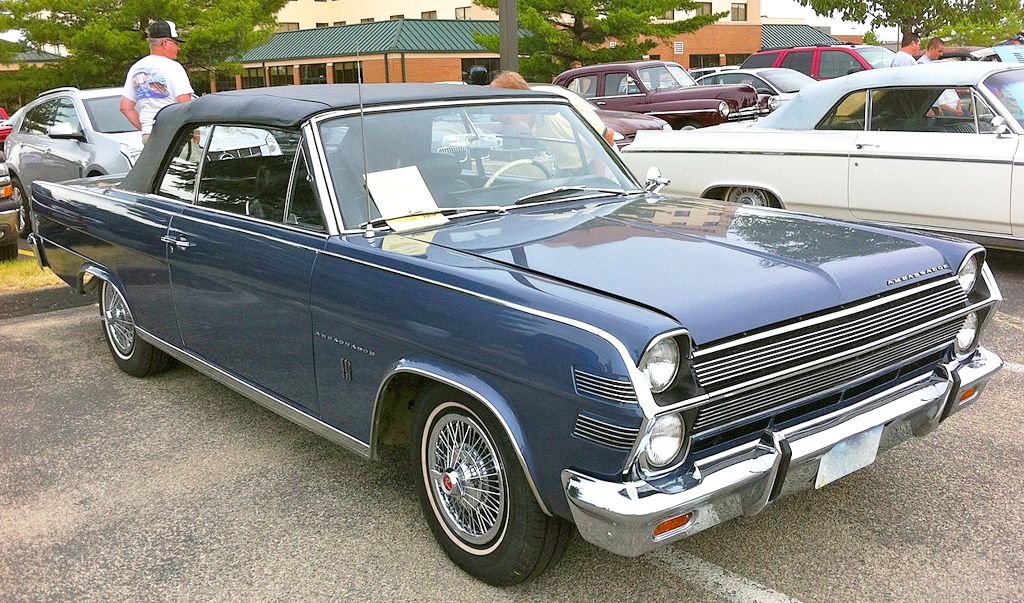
493, 155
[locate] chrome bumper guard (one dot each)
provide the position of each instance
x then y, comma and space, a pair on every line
622, 517
748, 113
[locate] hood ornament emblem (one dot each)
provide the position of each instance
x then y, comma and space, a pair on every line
903, 279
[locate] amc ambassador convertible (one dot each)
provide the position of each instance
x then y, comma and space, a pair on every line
935, 146
472, 273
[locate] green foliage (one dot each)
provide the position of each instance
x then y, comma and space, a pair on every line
985, 28
871, 38
924, 17
104, 38
563, 31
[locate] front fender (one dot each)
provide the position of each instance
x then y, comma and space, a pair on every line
454, 376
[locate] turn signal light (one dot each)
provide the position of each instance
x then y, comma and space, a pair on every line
8, 191
672, 524
609, 135
968, 393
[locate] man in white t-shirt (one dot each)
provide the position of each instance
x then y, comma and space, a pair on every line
156, 80
905, 57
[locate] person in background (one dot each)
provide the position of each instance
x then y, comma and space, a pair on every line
156, 80
575, 65
905, 57
935, 49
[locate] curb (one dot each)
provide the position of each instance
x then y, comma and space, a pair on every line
24, 303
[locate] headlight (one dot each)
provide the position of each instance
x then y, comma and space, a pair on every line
616, 135
968, 274
666, 127
723, 109
773, 103
660, 365
968, 333
666, 440
3, 169
130, 153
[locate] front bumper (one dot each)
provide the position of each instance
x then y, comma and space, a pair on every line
622, 517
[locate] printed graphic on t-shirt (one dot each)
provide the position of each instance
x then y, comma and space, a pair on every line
150, 85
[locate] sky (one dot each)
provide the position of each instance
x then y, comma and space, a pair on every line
788, 9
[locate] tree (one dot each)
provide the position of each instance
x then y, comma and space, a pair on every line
923, 17
985, 29
562, 31
103, 38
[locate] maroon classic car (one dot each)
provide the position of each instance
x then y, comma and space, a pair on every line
662, 89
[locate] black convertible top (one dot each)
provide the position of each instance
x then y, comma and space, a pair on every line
288, 107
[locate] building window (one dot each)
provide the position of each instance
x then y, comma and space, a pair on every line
430, 14
287, 26
313, 74
735, 59
225, 81
339, 22
492, 65
460, 13
253, 77
704, 60
366, 20
654, 57
347, 73
321, 25
281, 75
396, 17
703, 8
739, 12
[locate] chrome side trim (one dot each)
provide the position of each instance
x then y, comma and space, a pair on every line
267, 400
318, 167
823, 154
260, 235
372, 447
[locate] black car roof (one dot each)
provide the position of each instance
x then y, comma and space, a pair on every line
289, 107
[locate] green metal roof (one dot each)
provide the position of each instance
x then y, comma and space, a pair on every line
378, 37
36, 56
786, 35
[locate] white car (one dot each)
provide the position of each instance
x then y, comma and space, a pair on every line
934, 146
778, 82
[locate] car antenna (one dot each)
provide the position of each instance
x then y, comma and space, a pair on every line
368, 233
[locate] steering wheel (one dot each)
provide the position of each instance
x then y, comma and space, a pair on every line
512, 164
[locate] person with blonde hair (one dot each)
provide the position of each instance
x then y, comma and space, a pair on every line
511, 80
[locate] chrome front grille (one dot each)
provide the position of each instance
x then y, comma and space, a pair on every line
759, 374
604, 388
614, 436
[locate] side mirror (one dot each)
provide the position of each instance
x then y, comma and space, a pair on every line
654, 180
999, 126
65, 131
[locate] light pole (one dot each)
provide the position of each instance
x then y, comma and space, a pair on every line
508, 35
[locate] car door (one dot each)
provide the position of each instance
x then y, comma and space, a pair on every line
916, 166
65, 157
837, 63
620, 91
799, 60
241, 258
27, 147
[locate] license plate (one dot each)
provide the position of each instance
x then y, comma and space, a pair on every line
848, 456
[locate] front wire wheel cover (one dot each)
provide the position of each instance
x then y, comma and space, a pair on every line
118, 322
746, 195
465, 478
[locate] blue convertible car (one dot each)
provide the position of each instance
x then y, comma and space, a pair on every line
473, 274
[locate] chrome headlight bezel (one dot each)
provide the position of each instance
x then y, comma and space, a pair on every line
666, 440
723, 109
773, 103
660, 377
967, 338
970, 270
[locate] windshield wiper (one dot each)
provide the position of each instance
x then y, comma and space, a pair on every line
561, 189
447, 211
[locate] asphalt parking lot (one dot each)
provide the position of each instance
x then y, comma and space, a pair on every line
175, 488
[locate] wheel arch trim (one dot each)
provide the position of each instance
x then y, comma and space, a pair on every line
468, 384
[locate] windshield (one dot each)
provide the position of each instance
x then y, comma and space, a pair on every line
105, 115
1008, 87
787, 80
477, 156
665, 77
876, 56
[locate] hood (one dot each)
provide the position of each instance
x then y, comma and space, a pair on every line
741, 94
717, 269
132, 139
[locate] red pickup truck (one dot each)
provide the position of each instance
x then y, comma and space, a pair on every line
662, 89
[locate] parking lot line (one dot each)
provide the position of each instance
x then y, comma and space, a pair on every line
28, 253
718, 580
1014, 367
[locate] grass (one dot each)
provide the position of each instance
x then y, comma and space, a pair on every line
24, 274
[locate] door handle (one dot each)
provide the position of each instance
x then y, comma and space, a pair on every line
861, 145
180, 243
600, 103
